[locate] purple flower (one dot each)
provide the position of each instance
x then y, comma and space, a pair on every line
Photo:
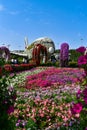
17, 124
85, 100
82, 60
64, 52
86, 128
78, 94
81, 49
10, 109
85, 92
64, 55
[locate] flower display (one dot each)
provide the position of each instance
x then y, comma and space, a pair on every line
81, 49
4, 53
46, 103
82, 60
54, 76
77, 108
8, 67
80, 107
36, 53
7, 100
64, 55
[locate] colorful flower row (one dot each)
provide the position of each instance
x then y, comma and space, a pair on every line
54, 76
16, 67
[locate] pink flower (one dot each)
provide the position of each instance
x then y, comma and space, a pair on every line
10, 109
82, 60
85, 100
81, 49
78, 94
77, 108
42, 115
77, 115
85, 92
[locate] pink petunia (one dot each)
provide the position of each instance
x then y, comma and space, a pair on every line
82, 60
81, 49
78, 94
77, 108
85, 100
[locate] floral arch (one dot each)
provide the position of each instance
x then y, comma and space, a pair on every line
4, 53
39, 54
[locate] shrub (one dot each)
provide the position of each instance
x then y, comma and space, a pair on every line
7, 100
79, 108
73, 64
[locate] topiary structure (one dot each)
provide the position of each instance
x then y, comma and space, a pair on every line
4, 53
64, 55
39, 54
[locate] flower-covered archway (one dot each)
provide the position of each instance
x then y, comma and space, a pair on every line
39, 54
4, 53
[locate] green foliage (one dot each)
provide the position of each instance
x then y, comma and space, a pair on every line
31, 125
74, 55
73, 64
2, 61
31, 46
49, 63
7, 100
7, 123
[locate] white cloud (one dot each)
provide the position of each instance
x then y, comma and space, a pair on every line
1, 7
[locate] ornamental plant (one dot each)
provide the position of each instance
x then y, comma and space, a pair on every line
36, 53
82, 60
79, 108
5, 50
64, 55
7, 100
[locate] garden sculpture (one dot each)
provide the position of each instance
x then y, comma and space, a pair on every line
64, 55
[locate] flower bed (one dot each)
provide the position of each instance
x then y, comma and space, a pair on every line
16, 67
47, 106
54, 76
21, 67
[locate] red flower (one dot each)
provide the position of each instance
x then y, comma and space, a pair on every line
0, 70
8, 67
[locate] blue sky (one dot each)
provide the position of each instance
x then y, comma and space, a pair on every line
60, 20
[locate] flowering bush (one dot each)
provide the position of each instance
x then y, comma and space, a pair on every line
81, 49
21, 67
46, 107
42, 110
8, 67
82, 60
7, 100
54, 76
79, 109
64, 55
